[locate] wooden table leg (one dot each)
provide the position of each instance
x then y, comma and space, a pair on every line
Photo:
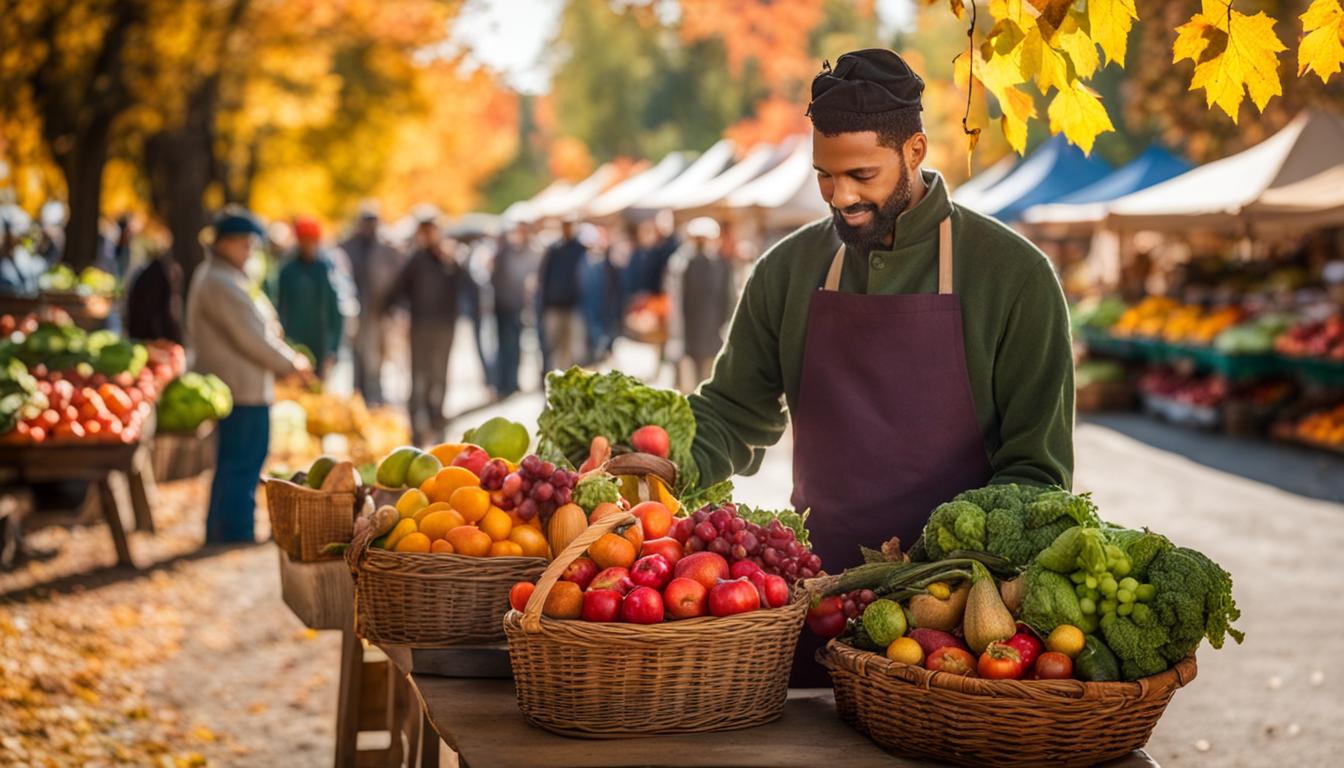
112, 514
348, 698
144, 493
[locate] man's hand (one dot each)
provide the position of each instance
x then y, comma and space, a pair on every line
303, 370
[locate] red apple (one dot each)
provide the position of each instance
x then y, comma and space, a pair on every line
667, 546
650, 439
737, 596
472, 457
707, 568
616, 578
651, 571
774, 589
644, 605
685, 598
742, 568
581, 572
601, 605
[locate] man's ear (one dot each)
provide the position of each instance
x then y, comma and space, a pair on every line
916, 148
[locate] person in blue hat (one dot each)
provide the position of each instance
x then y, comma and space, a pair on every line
234, 333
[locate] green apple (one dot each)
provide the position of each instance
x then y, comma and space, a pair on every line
392, 472
319, 471
501, 438
421, 469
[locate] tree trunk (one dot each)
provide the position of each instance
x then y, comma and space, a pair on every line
180, 168
83, 171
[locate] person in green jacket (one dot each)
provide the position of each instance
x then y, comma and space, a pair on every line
306, 298
919, 348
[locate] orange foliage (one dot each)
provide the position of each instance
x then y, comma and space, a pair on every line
773, 33
569, 159
775, 119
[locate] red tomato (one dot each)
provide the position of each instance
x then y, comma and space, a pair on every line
49, 418
67, 430
826, 618
1053, 665
37, 434
117, 401
1000, 661
951, 659
71, 414
93, 428
520, 593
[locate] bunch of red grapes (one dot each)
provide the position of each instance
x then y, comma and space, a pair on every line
856, 601
536, 488
774, 547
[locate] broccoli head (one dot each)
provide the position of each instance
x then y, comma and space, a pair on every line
1049, 600
1193, 600
953, 526
1138, 642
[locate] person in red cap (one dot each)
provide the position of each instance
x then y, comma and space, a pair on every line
306, 298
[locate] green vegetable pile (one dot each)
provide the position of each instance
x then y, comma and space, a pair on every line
1098, 313
597, 488
1012, 521
1090, 372
192, 399
1152, 602
65, 347
19, 394
90, 280
1254, 337
795, 521
581, 405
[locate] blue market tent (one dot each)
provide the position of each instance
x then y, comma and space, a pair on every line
1154, 166
1054, 170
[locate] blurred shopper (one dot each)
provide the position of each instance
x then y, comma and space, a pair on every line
429, 285
234, 333
599, 292
474, 301
154, 301
660, 255
374, 265
19, 269
701, 297
561, 324
306, 296
513, 269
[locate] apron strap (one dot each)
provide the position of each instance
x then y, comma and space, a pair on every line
944, 261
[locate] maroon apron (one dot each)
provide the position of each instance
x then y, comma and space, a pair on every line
885, 429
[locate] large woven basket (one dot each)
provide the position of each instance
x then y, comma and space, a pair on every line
305, 520
433, 600
611, 680
971, 721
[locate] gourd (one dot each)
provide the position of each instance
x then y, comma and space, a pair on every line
931, 612
987, 619
566, 524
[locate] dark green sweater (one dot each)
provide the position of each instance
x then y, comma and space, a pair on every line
1015, 323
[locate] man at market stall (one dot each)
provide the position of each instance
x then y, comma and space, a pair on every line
921, 348
307, 298
234, 333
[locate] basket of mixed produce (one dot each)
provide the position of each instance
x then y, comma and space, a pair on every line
313, 509
1020, 630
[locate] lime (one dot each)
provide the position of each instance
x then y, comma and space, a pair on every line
884, 621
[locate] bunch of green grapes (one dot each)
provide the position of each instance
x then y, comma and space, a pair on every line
1105, 588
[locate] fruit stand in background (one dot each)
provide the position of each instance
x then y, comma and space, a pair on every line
75, 406
306, 424
184, 444
84, 299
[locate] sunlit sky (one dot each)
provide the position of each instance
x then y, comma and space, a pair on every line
510, 36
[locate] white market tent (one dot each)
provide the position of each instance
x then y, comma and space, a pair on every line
758, 161
525, 210
633, 189
710, 164
1216, 195
785, 196
975, 187
1317, 201
579, 195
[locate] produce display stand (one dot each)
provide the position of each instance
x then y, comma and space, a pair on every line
87, 310
480, 720
112, 467
181, 455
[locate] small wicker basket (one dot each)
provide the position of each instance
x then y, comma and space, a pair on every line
305, 520
972, 721
433, 600
611, 680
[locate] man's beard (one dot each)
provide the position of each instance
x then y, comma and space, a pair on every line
872, 236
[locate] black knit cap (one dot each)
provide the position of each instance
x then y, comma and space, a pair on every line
866, 82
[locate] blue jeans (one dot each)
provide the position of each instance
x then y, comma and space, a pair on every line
244, 439
509, 324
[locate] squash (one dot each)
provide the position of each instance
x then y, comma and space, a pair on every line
930, 612
987, 619
566, 524
1012, 593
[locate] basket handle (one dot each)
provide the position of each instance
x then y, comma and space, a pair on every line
532, 612
358, 549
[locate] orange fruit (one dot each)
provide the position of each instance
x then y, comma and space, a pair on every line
411, 502
472, 503
430, 488
438, 524
469, 540
403, 528
446, 452
438, 506
634, 533
654, 518
441, 547
532, 541
602, 510
565, 601
496, 524
505, 549
413, 542
520, 593
612, 551
449, 479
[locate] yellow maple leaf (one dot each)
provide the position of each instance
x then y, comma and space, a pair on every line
1018, 107
1322, 49
1040, 60
1234, 54
958, 8
1013, 10
1110, 22
999, 77
1076, 111
1074, 40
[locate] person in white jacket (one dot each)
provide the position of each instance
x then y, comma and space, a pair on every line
233, 332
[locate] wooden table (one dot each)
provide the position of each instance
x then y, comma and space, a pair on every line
122, 474
480, 720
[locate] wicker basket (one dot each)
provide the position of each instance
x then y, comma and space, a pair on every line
592, 680
433, 600
971, 721
304, 520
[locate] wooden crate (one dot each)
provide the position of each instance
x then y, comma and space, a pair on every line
321, 594
178, 456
